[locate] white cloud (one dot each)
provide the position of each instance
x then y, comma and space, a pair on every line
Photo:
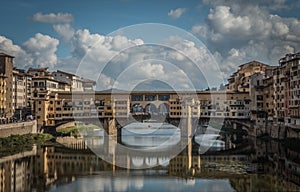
65, 31
37, 51
239, 32
180, 65
7, 46
94, 51
95, 54
53, 18
175, 14
41, 49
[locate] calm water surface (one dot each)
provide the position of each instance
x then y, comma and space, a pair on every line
236, 163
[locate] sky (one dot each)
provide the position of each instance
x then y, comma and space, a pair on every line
214, 36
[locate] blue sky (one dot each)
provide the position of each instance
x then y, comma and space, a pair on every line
58, 33
102, 17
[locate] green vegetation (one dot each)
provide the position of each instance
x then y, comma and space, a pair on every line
73, 131
76, 130
19, 143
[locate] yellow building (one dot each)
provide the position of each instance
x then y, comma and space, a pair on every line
178, 106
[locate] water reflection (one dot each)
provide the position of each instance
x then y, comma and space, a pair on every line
68, 165
136, 182
150, 135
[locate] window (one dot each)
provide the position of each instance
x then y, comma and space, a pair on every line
163, 97
137, 98
150, 97
259, 97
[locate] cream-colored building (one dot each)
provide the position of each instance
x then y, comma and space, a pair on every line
240, 80
225, 104
2, 96
21, 93
6, 69
77, 83
178, 106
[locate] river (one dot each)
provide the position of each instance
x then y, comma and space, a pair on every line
239, 164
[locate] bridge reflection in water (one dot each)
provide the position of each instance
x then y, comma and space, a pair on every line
54, 165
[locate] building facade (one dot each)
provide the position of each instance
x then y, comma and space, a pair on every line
21, 94
268, 96
2, 96
76, 83
6, 68
240, 80
287, 89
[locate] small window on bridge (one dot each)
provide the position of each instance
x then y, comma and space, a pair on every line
163, 97
150, 97
136, 97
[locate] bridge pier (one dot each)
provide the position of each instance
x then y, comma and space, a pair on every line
109, 126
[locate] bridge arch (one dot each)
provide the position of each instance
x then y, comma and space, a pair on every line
137, 161
163, 109
137, 107
151, 161
151, 108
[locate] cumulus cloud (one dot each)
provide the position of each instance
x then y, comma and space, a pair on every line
64, 30
179, 63
238, 32
94, 51
53, 18
117, 61
41, 49
38, 51
175, 14
7, 46
102, 47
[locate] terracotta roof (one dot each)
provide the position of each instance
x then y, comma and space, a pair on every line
38, 69
48, 78
251, 62
6, 55
59, 71
88, 81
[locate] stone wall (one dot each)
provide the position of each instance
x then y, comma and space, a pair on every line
22, 128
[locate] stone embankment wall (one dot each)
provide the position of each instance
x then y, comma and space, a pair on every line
21, 128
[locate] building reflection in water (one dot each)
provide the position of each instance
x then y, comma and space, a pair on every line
265, 165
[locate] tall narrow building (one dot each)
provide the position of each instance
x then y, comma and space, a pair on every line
6, 69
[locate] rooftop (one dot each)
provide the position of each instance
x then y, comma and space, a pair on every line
253, 62
45, 69
6, 55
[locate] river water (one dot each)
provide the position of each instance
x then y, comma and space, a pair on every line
235, 163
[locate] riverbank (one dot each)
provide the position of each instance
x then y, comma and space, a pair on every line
19, 143
76, 130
